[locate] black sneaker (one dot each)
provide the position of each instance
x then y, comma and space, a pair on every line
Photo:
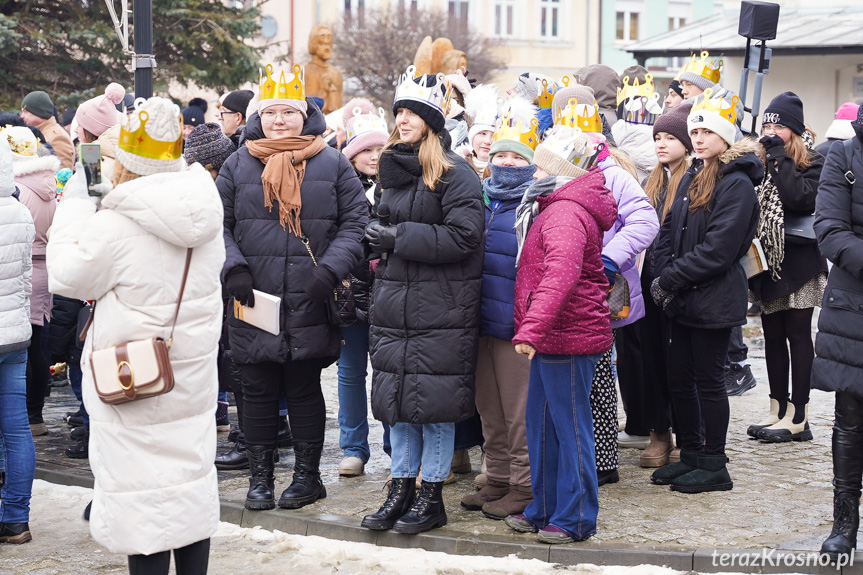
739, 380
603, 477
79, 450
79, 433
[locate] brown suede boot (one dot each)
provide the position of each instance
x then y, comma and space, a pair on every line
656, 452
512, 503
492, 491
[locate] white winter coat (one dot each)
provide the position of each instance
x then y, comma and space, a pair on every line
16, 270
637, 141
152, 459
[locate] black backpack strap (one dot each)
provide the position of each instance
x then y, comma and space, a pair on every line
849, 149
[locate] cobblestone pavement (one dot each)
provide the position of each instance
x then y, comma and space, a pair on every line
781, 498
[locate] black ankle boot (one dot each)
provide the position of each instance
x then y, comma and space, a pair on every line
398, 502
846, 520
426, 513
711, 474
262, 481
306, 487
15, 533
234, 459
285, 438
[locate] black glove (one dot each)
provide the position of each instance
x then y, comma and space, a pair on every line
660, 297
321, 283
238, 284
381, 238
771, 141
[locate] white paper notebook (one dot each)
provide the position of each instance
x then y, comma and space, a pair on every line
265, 314
754, 262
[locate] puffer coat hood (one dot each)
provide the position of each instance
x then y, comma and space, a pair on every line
561, 288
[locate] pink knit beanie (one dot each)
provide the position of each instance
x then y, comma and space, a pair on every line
847, 111
100, 113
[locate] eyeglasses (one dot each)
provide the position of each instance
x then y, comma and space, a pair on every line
223, 114
772, 128
270, 115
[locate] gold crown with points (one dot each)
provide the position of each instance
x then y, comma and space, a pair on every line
547, 91
727, 110
360, 124
707, 69
293, 89
585, 117
636, 89
420, 92
505, 130
564, 144
141, 144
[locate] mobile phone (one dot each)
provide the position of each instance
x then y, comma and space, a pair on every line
91, 158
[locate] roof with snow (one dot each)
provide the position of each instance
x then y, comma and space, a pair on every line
801, 31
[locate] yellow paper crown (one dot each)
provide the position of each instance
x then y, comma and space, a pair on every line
703, 67
546, 92
141, 144
585, 117
727, 110
269, 89
504, 130
636, 89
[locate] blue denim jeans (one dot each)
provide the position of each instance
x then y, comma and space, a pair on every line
17, 442
430, 444
353, 399
75, 377
560, 444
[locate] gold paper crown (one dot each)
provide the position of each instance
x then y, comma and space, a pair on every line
504, 130
546, 92
585, 117
702, 67
420, 92
268, 89
360, 124
727, 110
636, 89
563, 143
141, 144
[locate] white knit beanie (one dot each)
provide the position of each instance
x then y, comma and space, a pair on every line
712, 120
163, 124
7, 178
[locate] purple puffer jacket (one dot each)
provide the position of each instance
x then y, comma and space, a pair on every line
560, 287
632, 233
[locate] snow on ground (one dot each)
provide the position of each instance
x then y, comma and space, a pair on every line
62, 544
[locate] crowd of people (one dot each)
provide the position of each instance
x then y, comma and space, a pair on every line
489, 254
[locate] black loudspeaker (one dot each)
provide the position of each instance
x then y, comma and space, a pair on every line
758, 20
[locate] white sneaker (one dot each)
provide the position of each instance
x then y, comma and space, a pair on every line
634, 441
351, 467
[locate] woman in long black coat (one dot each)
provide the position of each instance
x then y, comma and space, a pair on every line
425, 303
839, 342
286, 194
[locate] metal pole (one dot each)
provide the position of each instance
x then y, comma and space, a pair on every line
143, 63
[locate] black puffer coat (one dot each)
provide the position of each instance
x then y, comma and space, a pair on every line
333, 216
426, 297
698, 253
839, 226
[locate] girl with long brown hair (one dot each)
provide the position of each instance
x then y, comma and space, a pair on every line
797, 272
701, 287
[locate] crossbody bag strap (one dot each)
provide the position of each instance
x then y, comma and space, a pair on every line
180, 299
849, 150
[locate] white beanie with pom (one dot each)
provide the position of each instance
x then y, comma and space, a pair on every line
159, 148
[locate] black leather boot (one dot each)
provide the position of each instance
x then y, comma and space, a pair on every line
262, 481
15, 533
285, 438
426, 513
847, 473
398, 502
306, 487
233, 459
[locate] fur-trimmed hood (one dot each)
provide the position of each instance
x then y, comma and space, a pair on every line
24, 165
743, 156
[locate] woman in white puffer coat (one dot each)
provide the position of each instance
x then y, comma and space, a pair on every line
155, 484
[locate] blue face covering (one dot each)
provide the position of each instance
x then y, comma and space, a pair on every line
508, 182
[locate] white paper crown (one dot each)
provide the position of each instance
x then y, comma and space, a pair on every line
574, 146
360, 124
419, 92
642, 109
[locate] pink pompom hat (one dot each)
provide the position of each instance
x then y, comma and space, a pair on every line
365, 127
100, 113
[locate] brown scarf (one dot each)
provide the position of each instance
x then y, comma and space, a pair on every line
284, 168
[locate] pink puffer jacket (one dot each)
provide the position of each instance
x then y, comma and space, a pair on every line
561, 288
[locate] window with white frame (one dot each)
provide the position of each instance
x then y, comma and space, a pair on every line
458, 13
549, 18
675, 22
356, 9
504, 18
626, 26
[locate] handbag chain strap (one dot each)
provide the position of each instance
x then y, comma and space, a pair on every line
83, 335
305, 241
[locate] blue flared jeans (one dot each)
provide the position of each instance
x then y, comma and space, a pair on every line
560, 444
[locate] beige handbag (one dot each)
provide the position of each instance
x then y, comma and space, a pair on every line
135, 369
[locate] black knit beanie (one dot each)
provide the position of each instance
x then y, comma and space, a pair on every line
674, 122
785, 109
238, 101
193, 114
675, 87
430, 115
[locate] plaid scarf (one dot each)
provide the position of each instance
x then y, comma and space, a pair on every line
771, 221
529, 208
